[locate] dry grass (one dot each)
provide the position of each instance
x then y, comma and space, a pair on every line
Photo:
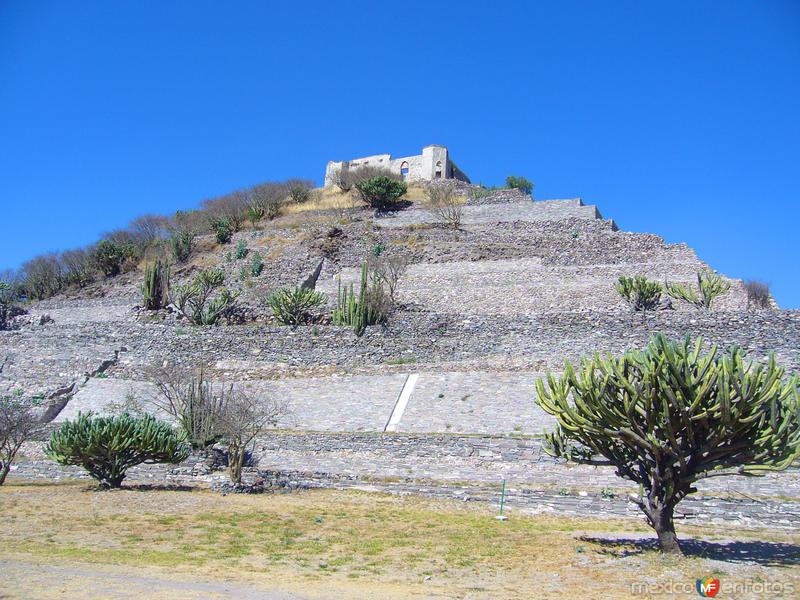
356, 543
332, 198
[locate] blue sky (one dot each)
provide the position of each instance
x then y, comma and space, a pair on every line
676, 118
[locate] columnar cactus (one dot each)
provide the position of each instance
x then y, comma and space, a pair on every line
155, 288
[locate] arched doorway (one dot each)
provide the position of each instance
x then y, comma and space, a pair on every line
438, 173
404, 169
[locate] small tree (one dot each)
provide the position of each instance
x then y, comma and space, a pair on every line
108, 446
671, 415
18, 424
639, 293
196, 300
155, 287
292, 306
709, 286
193, 401
243, 418
381, 193
520, 183
445, 203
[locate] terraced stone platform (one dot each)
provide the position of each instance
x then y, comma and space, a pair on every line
523, 209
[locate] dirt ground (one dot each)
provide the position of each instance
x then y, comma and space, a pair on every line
71, 541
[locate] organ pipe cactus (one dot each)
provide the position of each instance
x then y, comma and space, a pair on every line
672, 415
108, 446
362, 310
155, 288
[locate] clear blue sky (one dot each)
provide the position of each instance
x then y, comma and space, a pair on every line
676, 118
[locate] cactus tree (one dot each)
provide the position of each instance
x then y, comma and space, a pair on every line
671, 415
108, 446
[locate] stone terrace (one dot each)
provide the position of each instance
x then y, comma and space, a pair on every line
483, 312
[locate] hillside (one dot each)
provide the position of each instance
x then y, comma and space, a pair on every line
481, 313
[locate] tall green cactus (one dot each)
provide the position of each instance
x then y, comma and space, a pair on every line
671, 415
155, 287
108, 446
358, 311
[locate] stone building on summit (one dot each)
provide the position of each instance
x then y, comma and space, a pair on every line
434, 163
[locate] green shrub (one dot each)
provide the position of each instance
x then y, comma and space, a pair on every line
369, 307
671, 415
520, 183
109, 256
709, 286
256, 264
639, 293
197, 302
222, 228
291, 306
108, 446
241, 250
155, 287
381, 193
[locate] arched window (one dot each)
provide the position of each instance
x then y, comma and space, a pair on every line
438, 173
404, 169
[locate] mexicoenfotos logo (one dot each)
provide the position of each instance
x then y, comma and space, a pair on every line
708, 587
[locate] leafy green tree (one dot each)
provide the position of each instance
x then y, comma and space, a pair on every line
520, 183
672, 415
381, 193
108, 446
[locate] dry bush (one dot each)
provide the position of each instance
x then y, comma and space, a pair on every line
42, 276
300, 190
243, 417
758, 295
446, 203
269, 198
232, 207
348, 179
388, 270
76, 267
192, 400
150, 228
18, 424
